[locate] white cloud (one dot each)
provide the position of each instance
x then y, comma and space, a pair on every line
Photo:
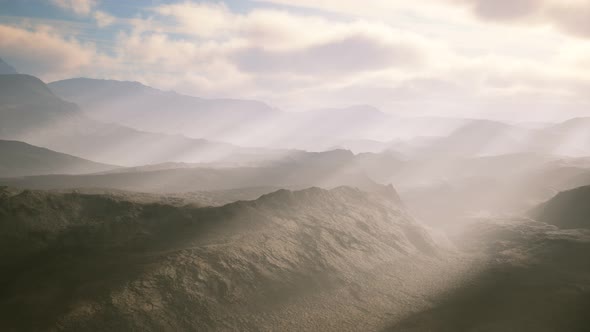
103, 19
86, 8
568, 16
79, 7
42, 51
428, 63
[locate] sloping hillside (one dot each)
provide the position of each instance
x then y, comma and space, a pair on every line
31, 113
22, 159
568, 209
536, 279
326, 170
6, 69
141, 107
316, 259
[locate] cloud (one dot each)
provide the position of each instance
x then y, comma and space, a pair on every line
351, 54
504, 9
568, 16
265, 41
572, 18
203, 19
42, 51
79, 7
103, 19
86, 8
296, 60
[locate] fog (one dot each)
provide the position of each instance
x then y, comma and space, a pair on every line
294, 166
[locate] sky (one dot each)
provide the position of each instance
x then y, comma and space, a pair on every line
518, 60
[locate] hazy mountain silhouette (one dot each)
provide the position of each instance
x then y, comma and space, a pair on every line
22, 159
571, 137
6, 68
138, 106
30, 112
299, 170
488, 138
94, 262
474, 138
446, 192
243, 122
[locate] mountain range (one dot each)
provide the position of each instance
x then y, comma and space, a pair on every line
327, 170
128, 208
30, 112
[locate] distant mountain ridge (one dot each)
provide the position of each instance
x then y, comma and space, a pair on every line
30, 112
145, 108
22, 159
241, 122
6, 68
296, 171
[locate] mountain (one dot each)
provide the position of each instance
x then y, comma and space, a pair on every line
568, 138
487, 138
141, 107
568, 209
241, 122
446, 192
305, 260
22, 159
361, 128
30, 112
298, 170
533, 277
473, 139
6, 69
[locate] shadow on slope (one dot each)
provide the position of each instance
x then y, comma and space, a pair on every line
537, 279
93, 262
568, 209
22, 159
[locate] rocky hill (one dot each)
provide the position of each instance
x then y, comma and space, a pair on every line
568, 209
532, 277
313, 259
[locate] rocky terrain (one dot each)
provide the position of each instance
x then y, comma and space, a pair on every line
568, 209
536, 278
315, 259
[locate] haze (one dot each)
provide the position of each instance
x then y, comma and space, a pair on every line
278, 165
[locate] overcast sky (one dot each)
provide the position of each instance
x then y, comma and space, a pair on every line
523, 60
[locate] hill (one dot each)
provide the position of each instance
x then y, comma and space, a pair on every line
361, 128
22, 159
535, 277
288, 259
31, 113
568, 209
296, 171
6, 69
141, 107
